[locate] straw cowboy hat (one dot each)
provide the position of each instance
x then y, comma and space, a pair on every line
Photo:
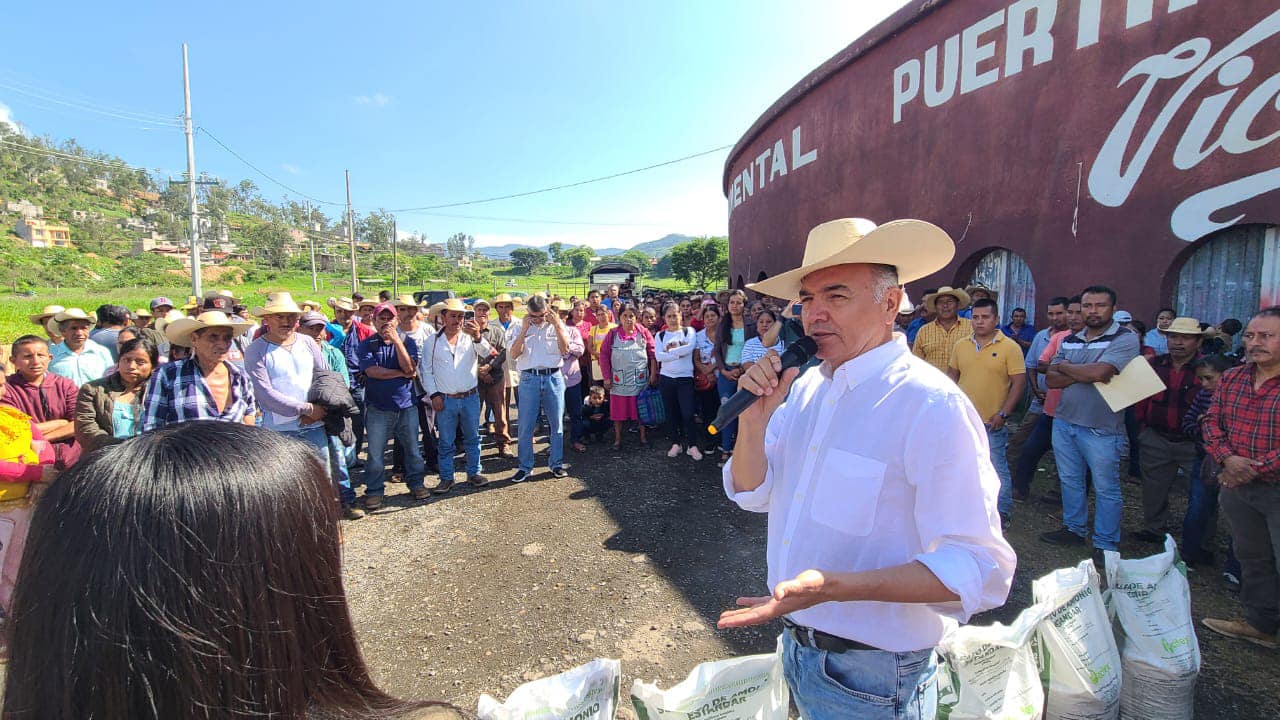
220, 293
71, 314
171, 316
142, 313
434, 311
453, 304
193, 302
1186, 326
931, 300
995, 295
342, 304
905, 307
278, 303
481, 301
179, 331
506, 298
43, 316
916, 248
403, 300
312, 305
368, 302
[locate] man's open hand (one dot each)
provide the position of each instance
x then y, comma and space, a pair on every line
803, 591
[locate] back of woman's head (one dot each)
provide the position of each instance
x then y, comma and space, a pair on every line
191, 572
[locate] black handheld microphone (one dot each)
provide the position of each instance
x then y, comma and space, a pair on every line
795, 356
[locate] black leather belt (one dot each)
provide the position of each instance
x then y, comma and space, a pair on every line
819, 640
542, 371
461, 395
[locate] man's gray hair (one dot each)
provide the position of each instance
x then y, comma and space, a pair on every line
883, 277
536, 303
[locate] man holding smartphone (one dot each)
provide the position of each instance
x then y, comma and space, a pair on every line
538, 348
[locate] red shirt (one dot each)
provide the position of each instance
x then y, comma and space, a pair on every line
589, 317
1163, 412
1245, 422
53, 399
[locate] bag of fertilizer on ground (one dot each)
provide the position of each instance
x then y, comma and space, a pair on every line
1075, 647
1159, 654
587, 692
990, 673
745, 688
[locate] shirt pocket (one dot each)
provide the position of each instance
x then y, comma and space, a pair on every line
847, 492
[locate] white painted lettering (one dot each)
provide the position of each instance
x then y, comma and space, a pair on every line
1235, 134
1137, 12
799, 159
760, 160
748, 180
972, 54
1090, 24
737, 190
1039, 42
935, 92
1195, 144
779, 164
906, 86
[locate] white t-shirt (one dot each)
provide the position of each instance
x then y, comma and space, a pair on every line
678, 361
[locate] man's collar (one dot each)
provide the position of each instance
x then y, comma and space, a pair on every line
868, 364
1111, 330
998, 337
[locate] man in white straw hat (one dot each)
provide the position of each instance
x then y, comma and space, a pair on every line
78, 358
875, 474
282, 363
205, 386
449, 372
935, 340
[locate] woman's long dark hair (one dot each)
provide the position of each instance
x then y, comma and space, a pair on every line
724, 336
191, 572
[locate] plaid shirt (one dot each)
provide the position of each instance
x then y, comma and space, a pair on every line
1164, 411
1245, 422
935, 343
178, 393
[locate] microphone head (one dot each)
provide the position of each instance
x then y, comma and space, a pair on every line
800, 352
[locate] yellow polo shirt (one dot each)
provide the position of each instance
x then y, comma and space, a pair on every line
985, 372
934, 344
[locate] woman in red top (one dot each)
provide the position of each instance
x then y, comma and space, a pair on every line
628, 364
26, 459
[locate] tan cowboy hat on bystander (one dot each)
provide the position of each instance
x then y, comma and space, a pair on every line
169, 317
71, 314
916, 248
43, 316
506, 298
1186, 326
403, 300
179, 331
278, 303
931, 300
342, 304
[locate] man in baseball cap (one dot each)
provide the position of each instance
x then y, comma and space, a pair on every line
160, 306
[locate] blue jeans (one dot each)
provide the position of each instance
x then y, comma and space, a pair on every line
464, 412
379, 427
573, 404
1079, 449
1200, 525
357, 426
314, 436
728, 434
1039, 442
541, 393
858, 684
338, 470
999, 441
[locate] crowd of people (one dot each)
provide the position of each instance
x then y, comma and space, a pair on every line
356, 377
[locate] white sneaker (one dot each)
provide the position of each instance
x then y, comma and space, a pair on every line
694, 452
674, 451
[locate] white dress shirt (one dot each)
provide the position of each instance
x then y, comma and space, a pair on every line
879, 463
451, 369
541, 349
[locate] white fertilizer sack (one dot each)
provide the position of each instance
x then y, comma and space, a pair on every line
1075, 648
745, 688
990, 672
587, 692
1159, 653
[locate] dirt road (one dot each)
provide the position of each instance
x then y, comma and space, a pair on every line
634, 556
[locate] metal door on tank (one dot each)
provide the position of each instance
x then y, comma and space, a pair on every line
1230, 274
1007, 273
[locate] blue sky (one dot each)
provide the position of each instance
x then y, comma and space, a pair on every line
430, 103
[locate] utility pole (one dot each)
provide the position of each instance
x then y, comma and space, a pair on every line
191, 178
306, 224
351, 236
395, 262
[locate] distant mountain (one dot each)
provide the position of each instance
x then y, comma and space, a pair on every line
653, 248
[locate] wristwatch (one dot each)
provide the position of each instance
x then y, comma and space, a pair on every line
1003, 415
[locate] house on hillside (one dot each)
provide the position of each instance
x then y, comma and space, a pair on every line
147, 197
153, 241
24, 208
434, 249
41, 234
462, 263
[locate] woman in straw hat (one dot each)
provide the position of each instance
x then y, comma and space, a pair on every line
205, 386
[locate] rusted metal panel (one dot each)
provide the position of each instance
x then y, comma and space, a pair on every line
1096, 140
1007, 274
1224, 276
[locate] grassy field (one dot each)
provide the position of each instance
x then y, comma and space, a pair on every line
14, 309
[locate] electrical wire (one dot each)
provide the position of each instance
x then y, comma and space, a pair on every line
153, 121
264, 174
59, 155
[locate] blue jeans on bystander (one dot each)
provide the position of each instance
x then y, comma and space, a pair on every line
380, 426
860, 684
999, 441
1079, 449
464, 413
541, 393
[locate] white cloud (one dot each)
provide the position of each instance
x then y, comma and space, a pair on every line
6, 118
375, 100
291, 169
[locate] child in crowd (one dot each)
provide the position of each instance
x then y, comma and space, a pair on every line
595, 415
1200, 526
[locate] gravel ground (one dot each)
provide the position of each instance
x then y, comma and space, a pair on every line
634, 556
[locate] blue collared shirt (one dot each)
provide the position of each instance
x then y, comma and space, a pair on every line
392, 394
90, 363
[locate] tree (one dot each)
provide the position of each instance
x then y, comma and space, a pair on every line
530, 259
640, 259
375, 229
701, 262
458, 245
556, 251
579, 258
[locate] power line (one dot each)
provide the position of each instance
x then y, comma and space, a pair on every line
533, 221
58, 155
85, 106
263, 173
567, 185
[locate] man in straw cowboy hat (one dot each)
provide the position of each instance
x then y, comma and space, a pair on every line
1164, 448
410, 323
205, 386
44, 319
356, 332
282, 363
935, 340
883, 530
504, 305
449, 371
78, 358
492, 376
